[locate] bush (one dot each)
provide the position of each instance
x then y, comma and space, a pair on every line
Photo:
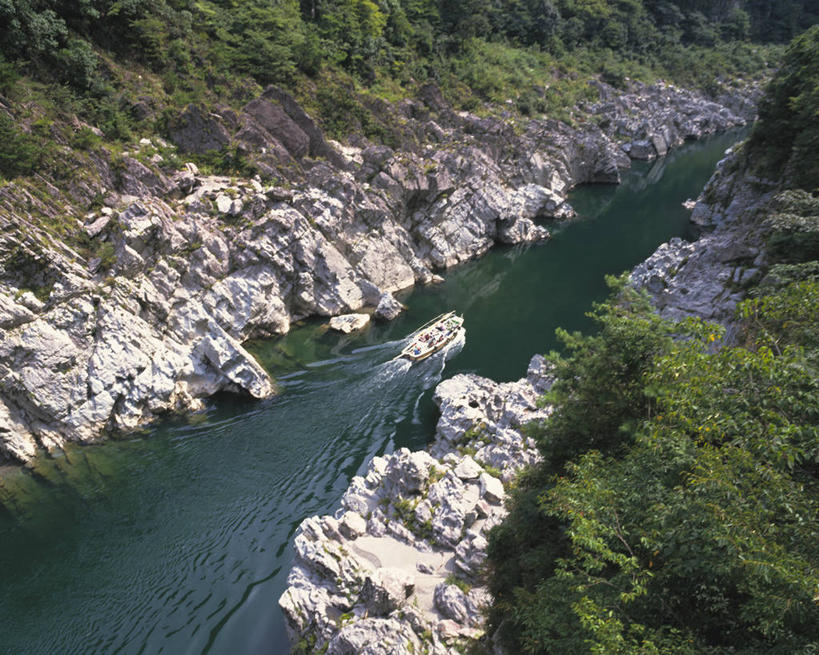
794, 228
676, 521
20, 153
787, 133
78, 64
9, 75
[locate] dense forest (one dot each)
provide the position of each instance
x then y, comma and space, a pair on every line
271, 40
675, 508
127, 66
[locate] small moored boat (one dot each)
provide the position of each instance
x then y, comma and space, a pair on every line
433, 336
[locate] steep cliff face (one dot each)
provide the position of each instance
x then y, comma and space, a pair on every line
127, 291
711, 275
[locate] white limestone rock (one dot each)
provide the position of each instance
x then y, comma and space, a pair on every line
352, 525
224, 204
232, 361
372, 636
388, 307
491, 489
349, 322
385, 590
467, 468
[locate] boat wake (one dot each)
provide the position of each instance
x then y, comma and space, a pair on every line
200, 551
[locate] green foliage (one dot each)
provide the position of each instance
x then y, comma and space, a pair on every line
78, 63
86, 139
229, 161
8, 75
787, 134
537, 53
260, 39
599, 392
462, 584
675, 507
30, 270
794, 227
20, 152
787, 316
698, 533
345, 112
107, 255
780, 275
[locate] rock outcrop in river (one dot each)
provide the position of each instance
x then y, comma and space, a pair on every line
128, 291
397, 569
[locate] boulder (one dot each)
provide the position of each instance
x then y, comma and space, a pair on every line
223, 203
491, 489
198, 131
93, 229
467, 469
388, 307
409, 471
374, 636
352, 525
470, 554
230, 359
258, 143
318, 145
452, 603
136, 179
660, 144
641, 149
385, 590
272, 118
349, 322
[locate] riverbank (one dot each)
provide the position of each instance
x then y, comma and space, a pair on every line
398, 568
709, 276
179, 268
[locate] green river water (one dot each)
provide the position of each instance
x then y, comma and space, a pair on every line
178, 539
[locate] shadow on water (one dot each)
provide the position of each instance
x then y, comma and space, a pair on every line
178, 539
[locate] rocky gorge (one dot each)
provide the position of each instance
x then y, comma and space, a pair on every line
397, 569
178, 268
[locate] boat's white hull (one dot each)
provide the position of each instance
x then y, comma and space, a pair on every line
434, 337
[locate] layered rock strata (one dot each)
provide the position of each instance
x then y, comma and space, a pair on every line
397, 569
171, 270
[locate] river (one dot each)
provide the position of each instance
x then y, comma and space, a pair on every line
178, 539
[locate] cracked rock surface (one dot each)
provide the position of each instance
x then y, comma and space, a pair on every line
397, 568
709, 276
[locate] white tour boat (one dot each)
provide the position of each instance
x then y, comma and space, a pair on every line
433, 336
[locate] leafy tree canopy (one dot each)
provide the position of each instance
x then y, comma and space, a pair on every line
676, 507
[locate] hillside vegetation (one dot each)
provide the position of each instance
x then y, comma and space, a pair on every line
127, 67
676, 507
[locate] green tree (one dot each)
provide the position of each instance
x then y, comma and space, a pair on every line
20, 153
697, 534
787, 134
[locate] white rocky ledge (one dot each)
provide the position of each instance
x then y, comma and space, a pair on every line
398, 568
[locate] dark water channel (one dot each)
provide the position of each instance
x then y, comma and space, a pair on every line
177, 540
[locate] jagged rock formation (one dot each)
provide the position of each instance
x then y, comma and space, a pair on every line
709, 276
171, 270
397, 569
